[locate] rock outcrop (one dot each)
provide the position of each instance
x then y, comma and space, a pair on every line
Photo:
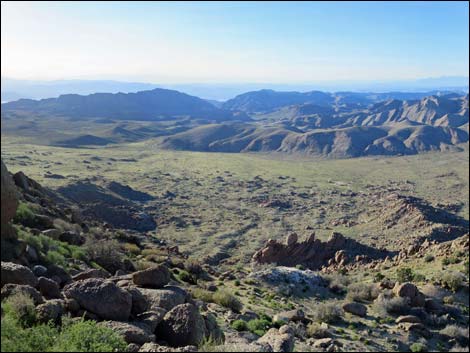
313, 253
9, 199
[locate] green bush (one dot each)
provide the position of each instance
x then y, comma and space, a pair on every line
239, 325
405, 274
418, 347
21, 308
226, 299
327, 312
203, 294
259, 326
24, 215
88, 336
81, 336
184, 276
428, 258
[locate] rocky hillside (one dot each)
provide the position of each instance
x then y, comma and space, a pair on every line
103, 284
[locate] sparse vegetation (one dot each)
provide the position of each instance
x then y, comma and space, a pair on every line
228, 300
327, 312
363, 292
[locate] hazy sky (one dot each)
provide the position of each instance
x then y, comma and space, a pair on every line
234, 42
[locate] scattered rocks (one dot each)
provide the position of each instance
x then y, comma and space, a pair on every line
9, 199
166, 298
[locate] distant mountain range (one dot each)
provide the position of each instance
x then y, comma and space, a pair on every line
156, 104
14, 89
339, 125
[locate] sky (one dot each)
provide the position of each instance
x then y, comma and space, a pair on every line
232, 42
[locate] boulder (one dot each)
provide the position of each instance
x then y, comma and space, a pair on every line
101, 297
288, 316
58, 274
130, 332
433, 306
14, 289
17, 274
151, 318
155, 277
281, 340
9, 199
91, 273
52, 233
410, 291
166, 298
48, 288
323, 343
71, 238
182, 326
412, 319
39, 270
51, 310
355, 309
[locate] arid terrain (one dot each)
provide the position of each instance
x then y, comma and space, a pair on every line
254, 252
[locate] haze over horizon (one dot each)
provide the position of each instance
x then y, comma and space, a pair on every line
202, 43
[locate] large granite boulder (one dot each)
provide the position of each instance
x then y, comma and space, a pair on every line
102, 298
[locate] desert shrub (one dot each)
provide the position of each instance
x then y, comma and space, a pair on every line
239, 325
56, 258
315, 330
460, 334
452, 280
203, 294
428, 258
394, 305
131, 249
226, 299
193, 266
418, 347
405, 274
64, 226
88, 336
362, 292
466, 268
24, 215
184, 276
21, 308
337, 283
143, 265
105, 253
378, 277
259, 326
418, 277
327, 312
